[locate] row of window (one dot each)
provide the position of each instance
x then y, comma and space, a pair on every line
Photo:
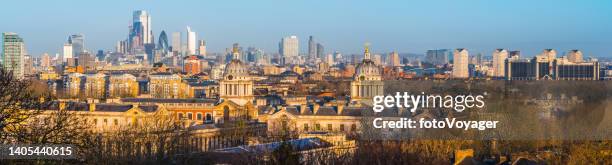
317, 127
198, 116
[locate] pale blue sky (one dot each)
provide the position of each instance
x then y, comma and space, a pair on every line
343, 25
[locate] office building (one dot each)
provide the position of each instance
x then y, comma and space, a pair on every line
191, 41
176, 42
13, 52
162, 43
78, 44
289, 49
460, 63
312, 48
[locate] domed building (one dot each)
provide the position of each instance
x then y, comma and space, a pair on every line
367, 81
236, 93
236, 84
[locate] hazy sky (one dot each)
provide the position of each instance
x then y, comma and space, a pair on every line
343, 25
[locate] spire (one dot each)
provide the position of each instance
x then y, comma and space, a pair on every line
366, 52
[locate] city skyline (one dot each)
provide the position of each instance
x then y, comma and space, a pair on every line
405, 27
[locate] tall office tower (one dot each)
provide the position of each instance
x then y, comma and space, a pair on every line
45, 61
202, 47
320, 51
191, 42
142, 26
176, 42
312, 48
67, 52
460, 63
13, 51
162, 42
499, 62
290, 49
394, 59
78, 44
575, 56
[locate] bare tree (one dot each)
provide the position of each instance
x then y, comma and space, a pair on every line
18, 102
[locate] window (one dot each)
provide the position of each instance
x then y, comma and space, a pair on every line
306, 127
329, 127
353, 127
95, 121
341, 127
105, 122
208, 117
317, 127
116, 122
180, 115
190, 116
199, 116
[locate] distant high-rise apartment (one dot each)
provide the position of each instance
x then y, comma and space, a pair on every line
312, 48
575, 56
499, 64
460, 63
290, 48
78, 44
45, 61
202, 47
176, 42
13, 52
191, 41
394, 59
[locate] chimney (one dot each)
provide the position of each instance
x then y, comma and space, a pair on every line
303, 108
340, 108
92, 107
315, 108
